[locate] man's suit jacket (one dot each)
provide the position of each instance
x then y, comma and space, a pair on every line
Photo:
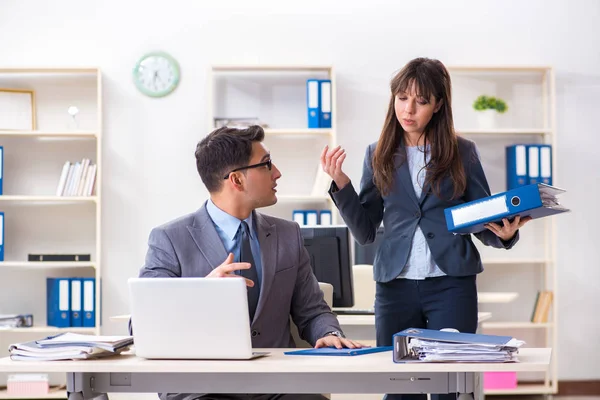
191, 247
401, 211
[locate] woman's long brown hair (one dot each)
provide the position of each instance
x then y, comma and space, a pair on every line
429, 77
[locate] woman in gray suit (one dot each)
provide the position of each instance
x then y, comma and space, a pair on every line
426, 275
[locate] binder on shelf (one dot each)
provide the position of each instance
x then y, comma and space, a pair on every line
89, 302
546, 164
312, 102
311, 217
537, 201
1, 168
325, 217
58, 310
1, 236
76, 302
299, 216
325, 103
533, 164
516, 166
59, 257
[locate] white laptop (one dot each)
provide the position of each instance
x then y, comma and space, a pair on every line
191, 318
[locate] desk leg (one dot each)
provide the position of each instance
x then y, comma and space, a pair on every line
78, 390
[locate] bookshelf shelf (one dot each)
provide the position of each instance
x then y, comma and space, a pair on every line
50, 330
522, 388
307, 199
298, 132
517, 325
49, 199
508, 132
497, 297
50, 134
47, 264
52, 394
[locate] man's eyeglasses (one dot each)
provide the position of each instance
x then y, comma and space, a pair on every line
268, 163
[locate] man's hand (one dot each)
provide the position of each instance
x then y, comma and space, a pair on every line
228, 268
508, 229
337, 342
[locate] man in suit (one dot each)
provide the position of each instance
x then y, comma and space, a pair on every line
226, 238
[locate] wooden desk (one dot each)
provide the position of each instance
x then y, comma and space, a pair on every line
277, 373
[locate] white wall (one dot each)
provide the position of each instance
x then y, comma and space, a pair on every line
149, 172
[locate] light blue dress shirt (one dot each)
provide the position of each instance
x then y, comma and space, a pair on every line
227, 227
420, 264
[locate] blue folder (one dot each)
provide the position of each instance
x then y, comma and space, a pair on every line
538, 200
332, 351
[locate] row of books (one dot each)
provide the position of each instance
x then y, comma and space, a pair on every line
543, 301
71, 302
77, 179
528, 164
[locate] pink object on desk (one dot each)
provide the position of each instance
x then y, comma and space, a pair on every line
499, 380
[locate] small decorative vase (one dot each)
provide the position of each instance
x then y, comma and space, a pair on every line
486, 119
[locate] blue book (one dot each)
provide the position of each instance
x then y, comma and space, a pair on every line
546, 164
332, 351
313, 100
58, 310
536, 201
325, 103
89, 302
516, 166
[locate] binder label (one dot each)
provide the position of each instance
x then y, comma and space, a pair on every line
63, 296
480, 210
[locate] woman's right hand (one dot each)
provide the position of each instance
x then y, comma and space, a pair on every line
331, 162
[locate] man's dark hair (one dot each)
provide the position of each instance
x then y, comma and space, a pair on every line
225, 149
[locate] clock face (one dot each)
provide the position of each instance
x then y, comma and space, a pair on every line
156, 74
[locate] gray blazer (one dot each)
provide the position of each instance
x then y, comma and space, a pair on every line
401, 212
191, 247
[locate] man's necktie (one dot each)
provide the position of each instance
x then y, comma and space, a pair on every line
252, 274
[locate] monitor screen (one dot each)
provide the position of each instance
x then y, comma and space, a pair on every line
365, 254
329, 251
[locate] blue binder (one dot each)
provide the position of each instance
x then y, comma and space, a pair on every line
332, 351
533, 164
1, 236
89, 302
313, 99
453, 337
516, 166
546, 164
537, 201
325, 103
76, 302
58, 311
299, 216
1, 168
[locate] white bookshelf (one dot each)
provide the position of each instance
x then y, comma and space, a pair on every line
276, 95
531, 265
36, 219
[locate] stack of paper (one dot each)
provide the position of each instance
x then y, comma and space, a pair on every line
70, 346
427, 345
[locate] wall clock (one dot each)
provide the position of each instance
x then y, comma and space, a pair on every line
156, 74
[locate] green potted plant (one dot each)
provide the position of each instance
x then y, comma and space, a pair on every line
487, 107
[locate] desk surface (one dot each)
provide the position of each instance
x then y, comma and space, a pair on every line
531, 359
355, 320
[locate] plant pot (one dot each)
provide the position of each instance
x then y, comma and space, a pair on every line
486, 119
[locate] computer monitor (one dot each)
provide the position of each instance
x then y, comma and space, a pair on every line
365, 254
329, 251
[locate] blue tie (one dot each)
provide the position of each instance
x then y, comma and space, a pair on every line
252, 274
